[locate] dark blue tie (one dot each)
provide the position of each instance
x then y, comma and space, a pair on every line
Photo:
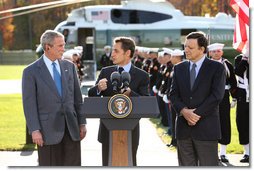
193, 74
120, 70
57, 79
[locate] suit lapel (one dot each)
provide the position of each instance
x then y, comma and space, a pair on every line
186, 72
132, 74
46, 77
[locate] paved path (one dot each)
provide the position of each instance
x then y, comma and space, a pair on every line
10, 86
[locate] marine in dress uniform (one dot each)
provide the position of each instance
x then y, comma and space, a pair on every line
216, 52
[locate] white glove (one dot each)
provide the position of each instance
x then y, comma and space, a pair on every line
165, 98
233, 103
154, 89
159, 93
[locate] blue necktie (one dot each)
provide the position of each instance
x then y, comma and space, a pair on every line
193, 74
57, 79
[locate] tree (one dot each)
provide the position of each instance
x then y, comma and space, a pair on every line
6, 26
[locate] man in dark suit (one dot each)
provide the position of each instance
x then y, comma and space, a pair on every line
122, 52
197, 88
52, 100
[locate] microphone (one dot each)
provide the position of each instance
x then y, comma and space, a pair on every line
115, 80
125, 78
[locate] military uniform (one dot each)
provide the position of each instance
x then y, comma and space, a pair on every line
242, 109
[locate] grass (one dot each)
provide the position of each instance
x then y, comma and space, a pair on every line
233, 148
12, 121
11, 72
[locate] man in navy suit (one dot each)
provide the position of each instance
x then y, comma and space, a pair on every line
52, 100
197, 88
122, 53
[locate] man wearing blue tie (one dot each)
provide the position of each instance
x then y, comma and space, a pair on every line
197, 88
51, 101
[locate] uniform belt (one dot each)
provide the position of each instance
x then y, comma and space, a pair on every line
227, 87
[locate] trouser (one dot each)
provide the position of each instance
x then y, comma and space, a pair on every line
197, 153
66, 153
242, 121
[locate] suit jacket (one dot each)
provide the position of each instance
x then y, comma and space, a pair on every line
138, 84
208, 90
45, 109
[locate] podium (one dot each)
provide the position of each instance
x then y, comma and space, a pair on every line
120, 129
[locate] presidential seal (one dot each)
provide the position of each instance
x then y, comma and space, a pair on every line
119, 106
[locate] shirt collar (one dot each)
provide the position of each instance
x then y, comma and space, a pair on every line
48, 62
199, 62
127, 67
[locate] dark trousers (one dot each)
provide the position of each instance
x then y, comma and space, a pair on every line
242, 121
224, 109
66, 153
197, 153
173, 127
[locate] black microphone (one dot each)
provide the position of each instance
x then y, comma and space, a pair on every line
125, 78
115, 80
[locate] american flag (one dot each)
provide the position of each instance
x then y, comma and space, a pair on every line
100, 15
241, 33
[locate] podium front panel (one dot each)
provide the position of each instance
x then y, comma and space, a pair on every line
142, 107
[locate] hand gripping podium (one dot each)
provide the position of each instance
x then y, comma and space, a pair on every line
120, 114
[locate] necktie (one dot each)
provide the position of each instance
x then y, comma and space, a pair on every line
57, 79
193, 74
120, 70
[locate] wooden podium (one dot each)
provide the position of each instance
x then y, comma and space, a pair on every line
120, 145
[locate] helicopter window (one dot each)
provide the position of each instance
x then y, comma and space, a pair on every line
70, 24
137, 16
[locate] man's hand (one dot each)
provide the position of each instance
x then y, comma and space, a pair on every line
102, 84
126, 92
37, 138
82, 131
191, 117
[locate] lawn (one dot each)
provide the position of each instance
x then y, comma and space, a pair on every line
11, 72
12, 121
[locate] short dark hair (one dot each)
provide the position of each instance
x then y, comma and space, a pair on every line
127, 44
201, 39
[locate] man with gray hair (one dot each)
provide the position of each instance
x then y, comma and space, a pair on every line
51, 101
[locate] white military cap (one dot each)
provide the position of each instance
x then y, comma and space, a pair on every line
177, 52
107, 47
167, 50
153, 50
215, 46
69, 53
